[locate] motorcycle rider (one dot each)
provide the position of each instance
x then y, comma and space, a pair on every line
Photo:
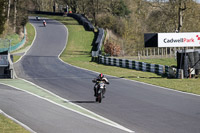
101, 77
37, 18
44, 23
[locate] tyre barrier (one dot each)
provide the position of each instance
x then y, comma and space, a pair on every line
141, 66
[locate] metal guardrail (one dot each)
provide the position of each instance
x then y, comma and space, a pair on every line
101, 38
82, 20
142, 66
98, 43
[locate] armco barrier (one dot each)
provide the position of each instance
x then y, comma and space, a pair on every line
98, 43
83, 21
47, 13
100, 38
88, 26
141, 66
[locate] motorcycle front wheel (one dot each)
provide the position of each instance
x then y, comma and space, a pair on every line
99, 98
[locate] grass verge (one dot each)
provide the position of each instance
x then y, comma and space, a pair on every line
9, 126
30, 34
14, 38
168, 61
161, 61
29, 39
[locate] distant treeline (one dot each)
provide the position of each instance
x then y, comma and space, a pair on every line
127, 19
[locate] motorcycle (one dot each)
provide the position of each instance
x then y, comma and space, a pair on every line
37, 18
101, 88
44, 23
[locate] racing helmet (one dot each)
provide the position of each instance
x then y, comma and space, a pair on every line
101, 76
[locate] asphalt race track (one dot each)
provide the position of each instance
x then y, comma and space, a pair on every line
139, 107
44, 117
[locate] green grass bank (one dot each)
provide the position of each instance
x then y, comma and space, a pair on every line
9, 126
29, 39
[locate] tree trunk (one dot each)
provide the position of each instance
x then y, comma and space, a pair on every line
94, 12
97, 6
8, 13
180, 15
54, 6
83, 7
15, 16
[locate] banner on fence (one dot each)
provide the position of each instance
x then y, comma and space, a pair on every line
190, 39
179, 39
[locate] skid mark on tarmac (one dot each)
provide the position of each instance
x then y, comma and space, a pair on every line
37, 91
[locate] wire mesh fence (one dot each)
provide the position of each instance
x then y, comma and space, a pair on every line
4, 44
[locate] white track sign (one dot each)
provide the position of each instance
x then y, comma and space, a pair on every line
191, 39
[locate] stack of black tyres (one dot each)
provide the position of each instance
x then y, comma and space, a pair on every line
188, 59
197, 60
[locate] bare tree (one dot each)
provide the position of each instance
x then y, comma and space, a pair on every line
15, 15
2, 16
8, 11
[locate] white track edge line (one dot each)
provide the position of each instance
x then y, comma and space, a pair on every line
110, 123
18, 122
59, 96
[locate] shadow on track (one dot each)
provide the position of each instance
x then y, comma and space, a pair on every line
132, 77
129, 77
83, 101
